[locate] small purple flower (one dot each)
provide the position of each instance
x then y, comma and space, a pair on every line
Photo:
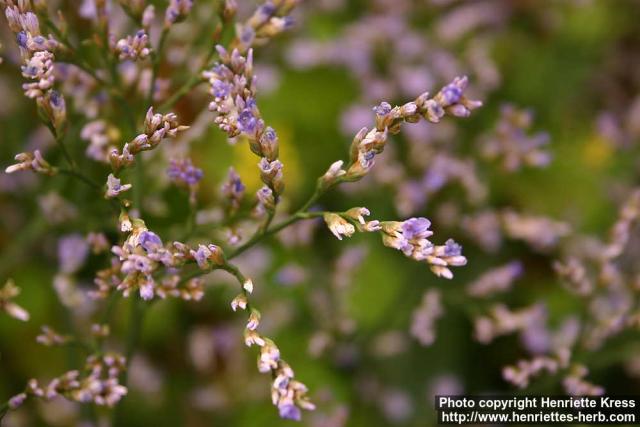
150, 241
183, 171
288, 22
137, 263
220, 89
451, 94
57, 101
202, 256
416, 228
270, 135
383, 109
266, 10
114, 187
247, 121
289, 411
22, 39
247, 35
146, 290
451, 248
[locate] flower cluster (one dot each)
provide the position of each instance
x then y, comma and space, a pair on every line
510, 142
411, 238
498, 279
50, 337
31, 161
521, 374
177, 11
269, 19
368, 143
288, 394
156, 128
102, 139
134, 47
99, 385
233, 87
36, 50
143, 255
183, 173
502, 321
233, 190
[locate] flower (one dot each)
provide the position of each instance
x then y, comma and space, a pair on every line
239, 301
338, 225
114, 187
32, 161
149, 241
177, 11
133, 47
7, 293
233, 189
182, 171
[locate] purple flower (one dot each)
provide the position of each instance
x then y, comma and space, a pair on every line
416, 228
114, 187
383, 109
451, 248
220, 89
289, 411
202, 256
22, 39
136, 263
451, 94
247, 121
146, 290
184, 171
269, 135
150, 241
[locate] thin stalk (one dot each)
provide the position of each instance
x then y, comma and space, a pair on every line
155, 65
195, 80
59, 138
4, 408
300, 214
136, 318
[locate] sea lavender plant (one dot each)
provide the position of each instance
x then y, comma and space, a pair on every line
114, 85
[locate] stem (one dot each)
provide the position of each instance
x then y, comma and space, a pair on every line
156, 64
59, 138
138, 183
4, 408
300, 214
135, 327
193, 81
136, 318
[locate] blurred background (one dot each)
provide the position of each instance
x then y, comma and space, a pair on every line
349, 316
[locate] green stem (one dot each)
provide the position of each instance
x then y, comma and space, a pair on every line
138, 183
300, 214
136, 318
4, 408
193, 81
157, 56
59, 138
